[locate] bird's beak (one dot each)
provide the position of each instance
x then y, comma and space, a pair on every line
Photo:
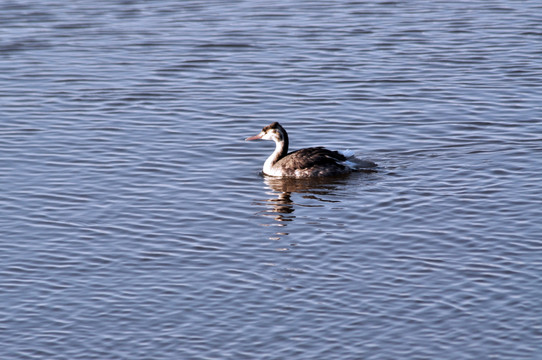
255, 137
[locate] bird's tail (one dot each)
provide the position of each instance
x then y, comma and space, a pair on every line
356, 163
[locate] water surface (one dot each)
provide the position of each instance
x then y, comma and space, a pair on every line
136, 223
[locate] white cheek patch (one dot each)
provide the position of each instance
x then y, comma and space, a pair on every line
271, 135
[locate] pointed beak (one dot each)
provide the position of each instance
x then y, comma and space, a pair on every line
255, 137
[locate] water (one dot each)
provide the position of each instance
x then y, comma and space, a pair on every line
136, 225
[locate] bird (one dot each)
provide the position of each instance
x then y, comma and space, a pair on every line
308, 162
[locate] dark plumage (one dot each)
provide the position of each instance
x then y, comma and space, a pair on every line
320, 159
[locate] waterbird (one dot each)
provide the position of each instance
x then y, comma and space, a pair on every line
308, 162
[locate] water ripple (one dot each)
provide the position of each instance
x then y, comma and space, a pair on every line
136, 222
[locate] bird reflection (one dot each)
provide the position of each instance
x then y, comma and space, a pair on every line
281, 207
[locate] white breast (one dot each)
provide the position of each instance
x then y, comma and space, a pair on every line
269, 170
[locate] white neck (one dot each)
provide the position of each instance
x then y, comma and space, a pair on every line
279, 153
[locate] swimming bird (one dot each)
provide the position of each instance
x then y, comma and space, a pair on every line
308, 162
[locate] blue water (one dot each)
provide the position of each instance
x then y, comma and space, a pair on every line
136, 223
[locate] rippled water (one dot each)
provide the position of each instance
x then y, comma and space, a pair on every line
136, 225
